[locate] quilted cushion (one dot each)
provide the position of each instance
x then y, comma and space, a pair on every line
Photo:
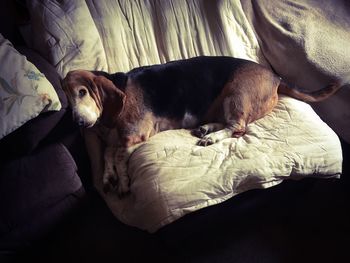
171, 176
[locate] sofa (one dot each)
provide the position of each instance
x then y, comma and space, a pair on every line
40, 185
52, 208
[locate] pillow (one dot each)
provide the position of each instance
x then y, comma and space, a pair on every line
24, 90
26, 138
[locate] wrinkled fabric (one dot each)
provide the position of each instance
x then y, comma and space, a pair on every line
137, 33
120, 35
307, 43
171, 176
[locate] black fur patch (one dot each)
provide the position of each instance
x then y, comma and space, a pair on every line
190, 85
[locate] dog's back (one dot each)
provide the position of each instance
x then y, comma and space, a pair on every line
197, 89
184, 86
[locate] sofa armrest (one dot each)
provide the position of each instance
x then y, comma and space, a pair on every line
37, 192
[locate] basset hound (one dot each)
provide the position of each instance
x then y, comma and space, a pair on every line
216, 97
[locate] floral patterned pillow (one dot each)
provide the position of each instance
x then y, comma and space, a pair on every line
24, 90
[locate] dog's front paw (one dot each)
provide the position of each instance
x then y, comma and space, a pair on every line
110, 181
123, 186
206, 141
201, 131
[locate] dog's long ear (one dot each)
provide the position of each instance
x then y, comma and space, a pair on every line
113, 100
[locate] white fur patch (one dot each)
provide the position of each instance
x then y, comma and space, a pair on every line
86, 114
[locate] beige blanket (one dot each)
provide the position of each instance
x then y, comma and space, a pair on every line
307, 43
170, 175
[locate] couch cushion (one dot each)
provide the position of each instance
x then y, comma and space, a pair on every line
171, 176
35, 193
65, 34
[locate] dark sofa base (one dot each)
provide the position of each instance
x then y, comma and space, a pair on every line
36, 192
296, 221
312, 228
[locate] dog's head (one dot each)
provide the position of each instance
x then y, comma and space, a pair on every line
93, 97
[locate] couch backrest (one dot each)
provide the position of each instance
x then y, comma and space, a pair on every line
120, 35
305, 42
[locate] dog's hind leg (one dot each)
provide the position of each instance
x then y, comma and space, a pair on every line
110, 177
205, 129
236, 110
232, 130
250, 95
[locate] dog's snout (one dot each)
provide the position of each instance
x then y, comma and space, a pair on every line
82, 122
77, 119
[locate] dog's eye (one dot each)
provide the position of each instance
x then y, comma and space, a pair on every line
82, 93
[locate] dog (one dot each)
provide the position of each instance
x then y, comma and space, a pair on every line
216, 97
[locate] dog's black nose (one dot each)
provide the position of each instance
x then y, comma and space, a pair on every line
78, 120
81, 122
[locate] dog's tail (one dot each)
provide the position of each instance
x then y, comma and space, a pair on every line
313, 96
